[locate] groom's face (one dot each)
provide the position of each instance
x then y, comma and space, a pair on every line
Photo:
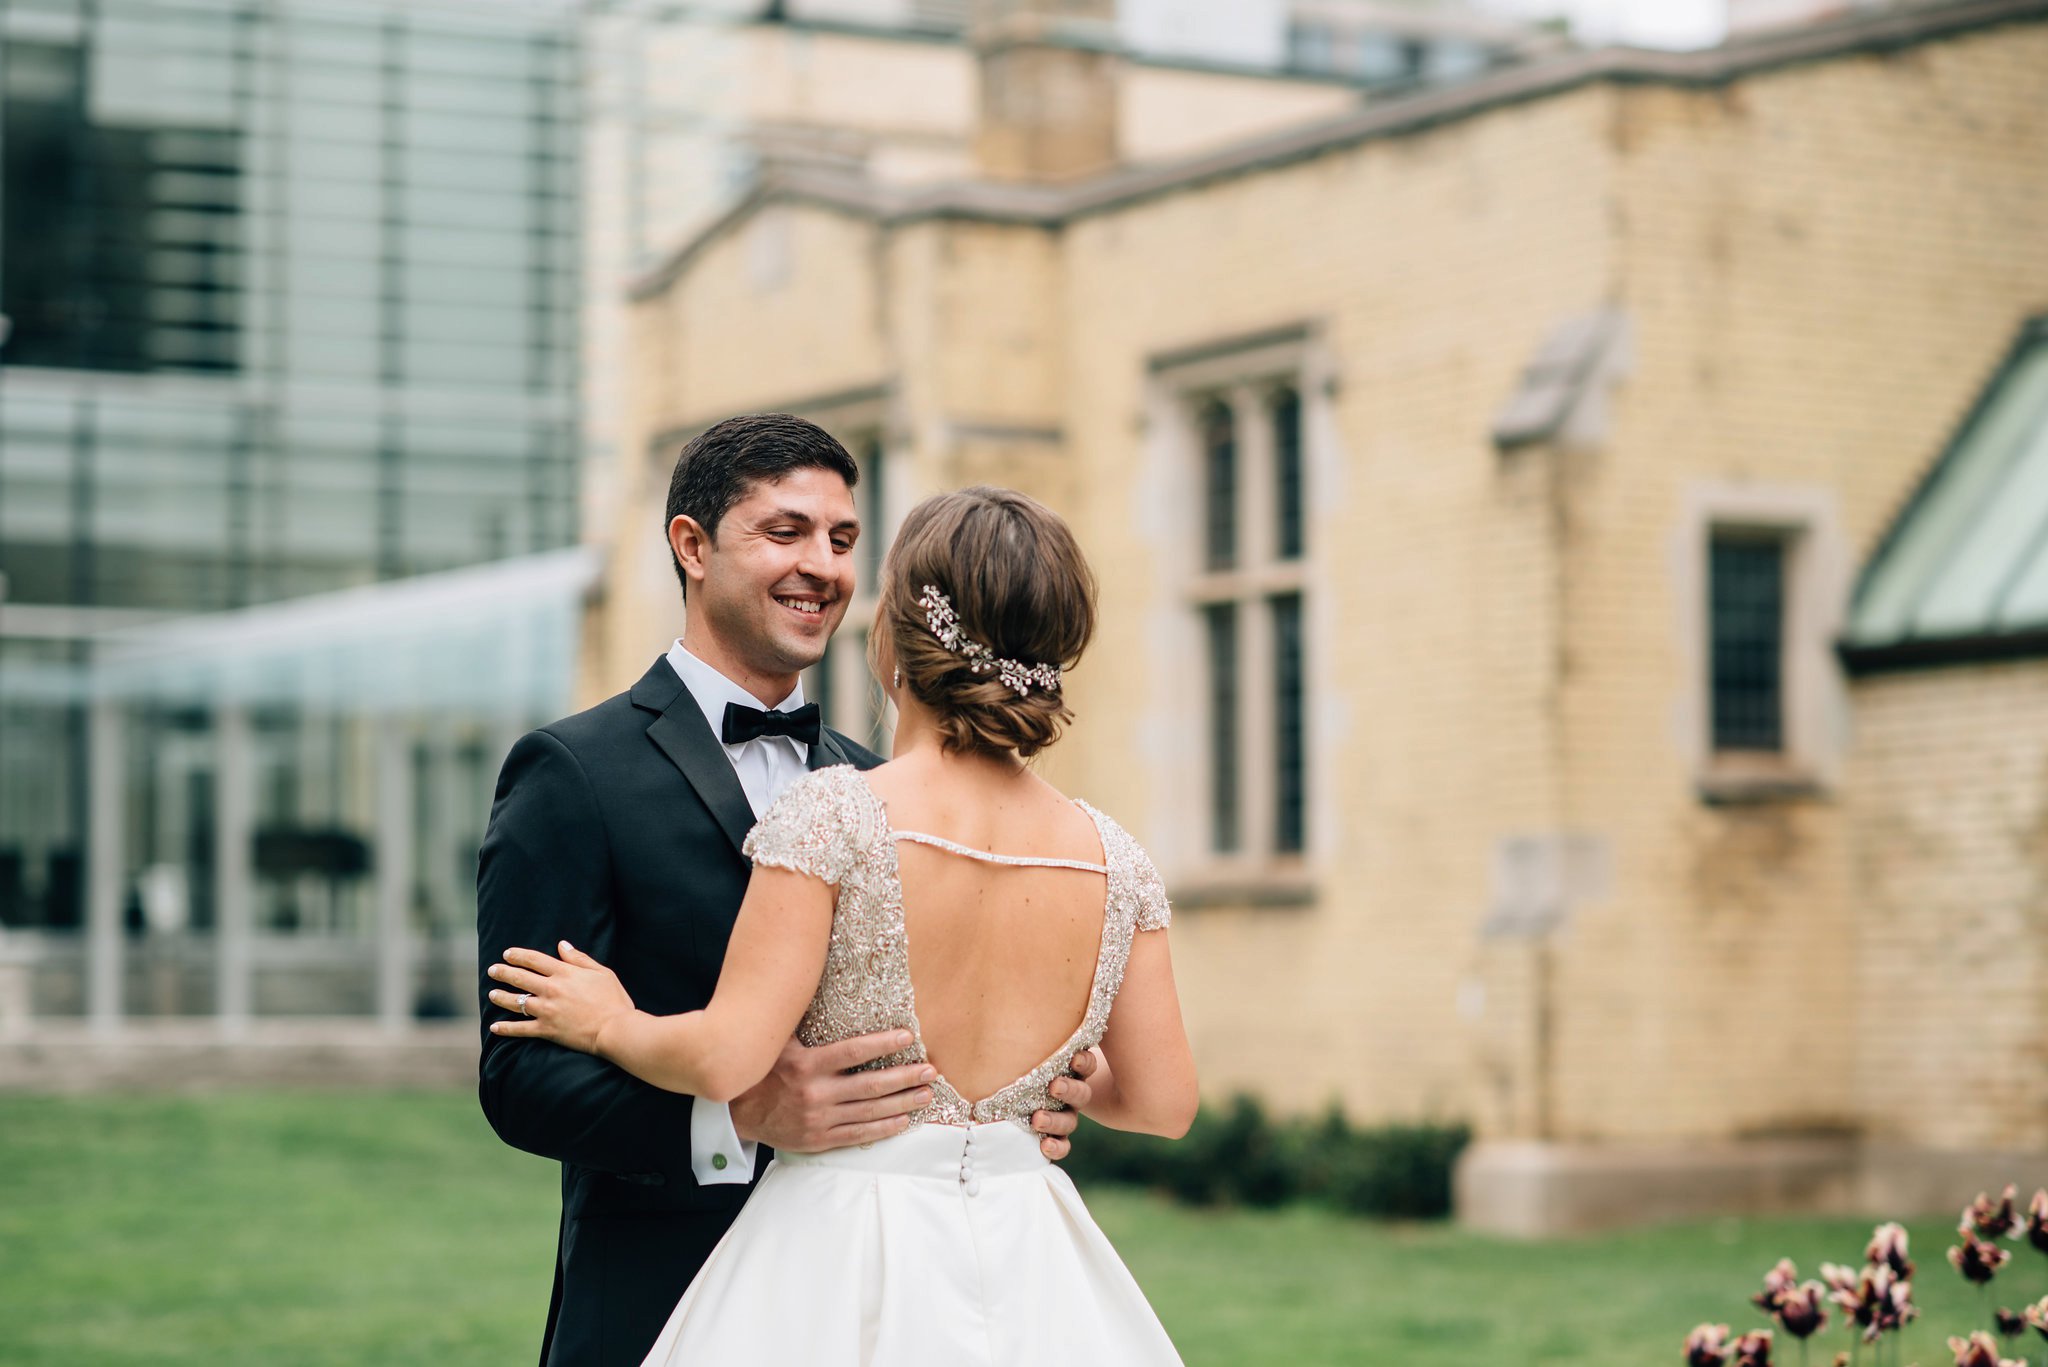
779, 572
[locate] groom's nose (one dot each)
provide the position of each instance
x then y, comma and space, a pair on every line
816, 558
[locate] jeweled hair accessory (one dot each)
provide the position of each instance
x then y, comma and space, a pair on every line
945, 624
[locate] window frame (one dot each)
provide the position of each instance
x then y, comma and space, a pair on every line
1812, 691
1247, 379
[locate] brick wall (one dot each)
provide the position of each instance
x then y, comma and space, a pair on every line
1950, 847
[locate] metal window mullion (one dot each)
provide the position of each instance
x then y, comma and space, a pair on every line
391, 773
234, 786
106, 864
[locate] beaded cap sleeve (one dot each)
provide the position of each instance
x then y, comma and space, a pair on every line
1144, 888
818, 826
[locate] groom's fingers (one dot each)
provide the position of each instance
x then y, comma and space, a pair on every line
844, 1135
881, 1108
879, 1083
852, 1052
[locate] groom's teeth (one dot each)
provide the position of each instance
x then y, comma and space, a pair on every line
800, 605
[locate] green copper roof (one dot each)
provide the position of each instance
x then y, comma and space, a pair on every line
1964, 571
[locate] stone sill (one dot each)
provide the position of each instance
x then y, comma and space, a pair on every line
1738, 780
1278, 884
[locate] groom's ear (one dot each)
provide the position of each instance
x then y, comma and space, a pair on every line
689, 543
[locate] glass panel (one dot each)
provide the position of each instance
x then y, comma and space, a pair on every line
430, 322
1220, 620
41, 807
1219, 484
1747, 611
1290, 750
322, 44
455, 364
88, 211
428, 128
462, 207
1287, 485
507, 173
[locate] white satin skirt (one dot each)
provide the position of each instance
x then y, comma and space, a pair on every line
946, 1245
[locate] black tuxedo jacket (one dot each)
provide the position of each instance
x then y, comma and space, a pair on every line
618, 830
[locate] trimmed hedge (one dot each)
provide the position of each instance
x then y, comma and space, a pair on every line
1236, 1155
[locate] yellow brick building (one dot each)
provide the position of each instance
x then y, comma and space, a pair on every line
1422, 452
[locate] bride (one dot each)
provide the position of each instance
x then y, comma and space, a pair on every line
954, 895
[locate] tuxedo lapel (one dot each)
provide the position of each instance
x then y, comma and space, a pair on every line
682, 734
826, 752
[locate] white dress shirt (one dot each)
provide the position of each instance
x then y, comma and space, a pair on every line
766, 765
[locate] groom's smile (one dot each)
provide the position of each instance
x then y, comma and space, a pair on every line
777, 574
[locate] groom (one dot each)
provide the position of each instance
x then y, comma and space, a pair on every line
619, 830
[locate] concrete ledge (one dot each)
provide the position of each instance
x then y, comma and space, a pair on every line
1537, 1190
195, 1056
1527, 1189
1919, 1181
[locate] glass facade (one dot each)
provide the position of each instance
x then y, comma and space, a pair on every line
291, 298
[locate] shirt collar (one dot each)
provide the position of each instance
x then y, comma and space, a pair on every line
713, 691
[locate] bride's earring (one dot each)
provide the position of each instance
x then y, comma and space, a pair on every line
896, 677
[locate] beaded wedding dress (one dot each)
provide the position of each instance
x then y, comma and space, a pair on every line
955, 1243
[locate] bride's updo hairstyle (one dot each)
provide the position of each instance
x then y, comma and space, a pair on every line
1018, 584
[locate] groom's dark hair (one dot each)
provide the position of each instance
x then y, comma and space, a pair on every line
723, 463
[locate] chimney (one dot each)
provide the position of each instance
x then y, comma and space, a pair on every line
1048, 88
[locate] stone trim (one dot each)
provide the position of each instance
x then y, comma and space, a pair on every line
1053, 207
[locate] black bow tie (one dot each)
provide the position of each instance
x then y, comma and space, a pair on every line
743, 724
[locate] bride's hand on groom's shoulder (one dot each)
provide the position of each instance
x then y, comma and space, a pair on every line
570, 1000
1055, 1128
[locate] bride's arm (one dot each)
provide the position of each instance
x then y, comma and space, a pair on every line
1148, 1083
772, 966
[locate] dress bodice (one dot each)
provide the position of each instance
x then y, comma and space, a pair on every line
831, 825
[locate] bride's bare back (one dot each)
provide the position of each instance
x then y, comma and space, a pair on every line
1001, 956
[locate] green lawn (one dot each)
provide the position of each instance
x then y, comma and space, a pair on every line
301, 1230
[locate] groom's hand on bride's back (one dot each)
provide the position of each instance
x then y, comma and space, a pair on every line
810, 1102
1074, 1093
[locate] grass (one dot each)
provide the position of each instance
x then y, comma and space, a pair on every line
306, 1230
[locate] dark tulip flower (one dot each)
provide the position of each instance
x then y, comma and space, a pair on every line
1842, 1285
1978, 1350
1803, 1309
2010, 1326
1707, 1346
1990, 1221
1778, 1283
2037, 1221
1888, 1246
1753, 1349
1978, 1261
2036, 1317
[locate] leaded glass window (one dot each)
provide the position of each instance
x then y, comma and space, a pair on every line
1287, 490
1220, 620
1219, 484
1746, 592
1290, 805
1249, 595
